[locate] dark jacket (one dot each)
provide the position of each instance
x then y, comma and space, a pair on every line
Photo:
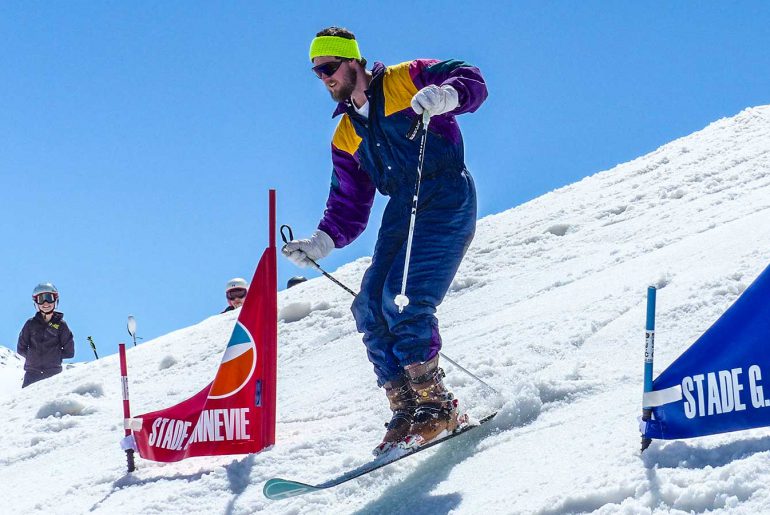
45, 344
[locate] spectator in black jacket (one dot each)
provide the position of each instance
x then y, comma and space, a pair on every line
45, 338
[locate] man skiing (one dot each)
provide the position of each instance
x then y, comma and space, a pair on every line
371, 151
45, 338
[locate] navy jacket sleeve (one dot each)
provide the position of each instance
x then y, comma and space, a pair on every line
23, 344
67, 342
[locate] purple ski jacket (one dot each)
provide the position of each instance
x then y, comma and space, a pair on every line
45, 344
374, 153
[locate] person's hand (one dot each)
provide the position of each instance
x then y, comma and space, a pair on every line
300, 252
435, 100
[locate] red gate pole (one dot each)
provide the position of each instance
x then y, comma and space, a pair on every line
272, 221
126, 405
271, 377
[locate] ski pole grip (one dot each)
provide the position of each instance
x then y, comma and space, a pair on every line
284, 236
419, 124
93, 346
414, 129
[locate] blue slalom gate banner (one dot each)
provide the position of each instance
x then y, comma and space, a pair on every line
722, 382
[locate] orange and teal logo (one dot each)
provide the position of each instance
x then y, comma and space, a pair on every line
237, 366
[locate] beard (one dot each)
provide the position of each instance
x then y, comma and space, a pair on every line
345, 86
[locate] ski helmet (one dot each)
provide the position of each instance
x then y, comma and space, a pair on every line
235, 283
294, 281
45, 288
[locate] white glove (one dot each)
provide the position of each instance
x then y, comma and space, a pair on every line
316, 247
435, 100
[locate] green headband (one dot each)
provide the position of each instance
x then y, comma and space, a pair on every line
334, 46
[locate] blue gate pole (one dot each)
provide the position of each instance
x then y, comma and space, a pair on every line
649, 351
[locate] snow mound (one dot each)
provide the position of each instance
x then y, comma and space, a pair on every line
167, 362
91, 389
294, 312
61, 407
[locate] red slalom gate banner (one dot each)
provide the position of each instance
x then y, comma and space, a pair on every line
235, 413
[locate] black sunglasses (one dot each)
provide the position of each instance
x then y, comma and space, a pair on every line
45, 297
237, 293
327, 69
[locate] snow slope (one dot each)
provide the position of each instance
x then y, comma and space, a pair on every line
548, 307
11, 372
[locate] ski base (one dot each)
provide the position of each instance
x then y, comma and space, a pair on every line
278, 488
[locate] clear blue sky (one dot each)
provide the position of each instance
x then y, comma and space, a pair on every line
138, 140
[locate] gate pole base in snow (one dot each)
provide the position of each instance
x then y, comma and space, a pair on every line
126, 407
649, 351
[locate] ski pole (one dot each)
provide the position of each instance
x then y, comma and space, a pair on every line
453, 362
93, 346
401, 299
649, 351
316, 265
126, 406
354, 294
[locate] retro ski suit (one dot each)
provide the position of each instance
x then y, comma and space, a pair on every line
374, 153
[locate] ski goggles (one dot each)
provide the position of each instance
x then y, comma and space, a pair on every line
42, 298
327, 69
237, 293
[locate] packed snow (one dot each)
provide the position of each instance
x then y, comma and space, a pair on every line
548, 308
11, 372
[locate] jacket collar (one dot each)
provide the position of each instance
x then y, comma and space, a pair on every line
377, 71
56, 318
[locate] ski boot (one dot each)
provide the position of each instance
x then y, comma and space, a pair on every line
402, 403
437, 414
